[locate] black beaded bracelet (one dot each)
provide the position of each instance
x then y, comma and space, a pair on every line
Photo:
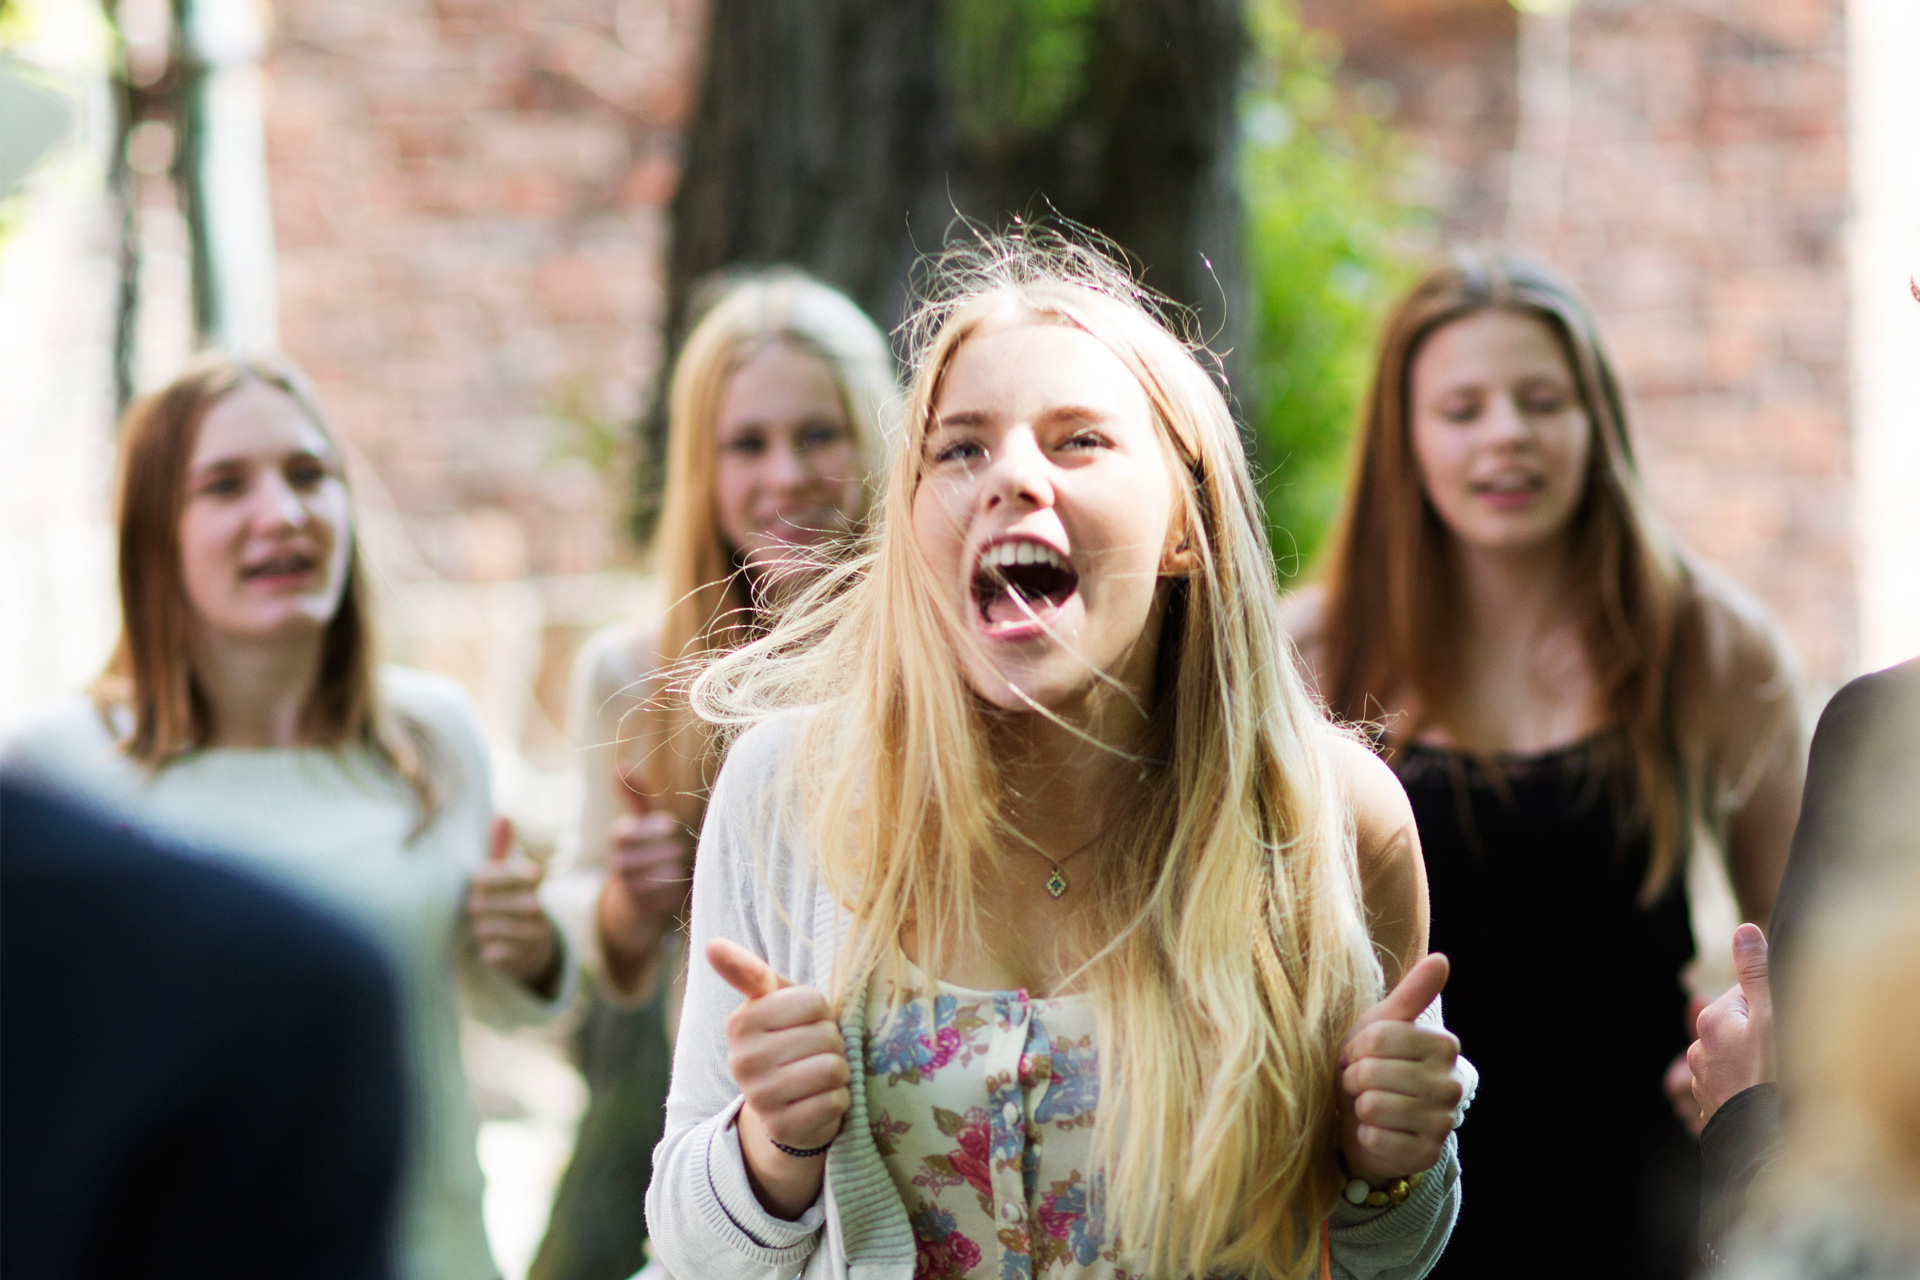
799, 1153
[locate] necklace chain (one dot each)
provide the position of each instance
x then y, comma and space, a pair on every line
1057, 883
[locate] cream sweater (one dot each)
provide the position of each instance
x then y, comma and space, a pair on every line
333, 828
752, 883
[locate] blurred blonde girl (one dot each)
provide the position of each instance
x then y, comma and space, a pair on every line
774, 429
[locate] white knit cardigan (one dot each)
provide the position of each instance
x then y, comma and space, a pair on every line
705, 1220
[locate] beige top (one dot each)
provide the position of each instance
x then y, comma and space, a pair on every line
608, 690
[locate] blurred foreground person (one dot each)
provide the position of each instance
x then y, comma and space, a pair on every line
1859, 821
243, 713
774, 428
1842, 1201
1031, 919
1571, 703
202, 1076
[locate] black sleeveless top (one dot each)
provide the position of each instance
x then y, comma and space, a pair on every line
1566, 994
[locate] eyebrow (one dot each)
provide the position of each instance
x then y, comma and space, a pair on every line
966, 418
242, 460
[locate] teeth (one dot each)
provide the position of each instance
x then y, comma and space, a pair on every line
1006, 554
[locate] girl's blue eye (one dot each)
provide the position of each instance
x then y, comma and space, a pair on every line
747, 446
224, 487
960, 451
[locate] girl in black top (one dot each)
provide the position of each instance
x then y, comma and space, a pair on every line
1574, 705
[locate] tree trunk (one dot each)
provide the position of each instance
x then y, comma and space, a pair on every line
844, 136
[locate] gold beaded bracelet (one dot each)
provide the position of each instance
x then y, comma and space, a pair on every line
1360, 1192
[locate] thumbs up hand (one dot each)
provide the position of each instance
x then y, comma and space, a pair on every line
1735, 1048
787, 1055
649, 872
512, 930
1398, 1090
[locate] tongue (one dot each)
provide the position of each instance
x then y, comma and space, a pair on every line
1007, 606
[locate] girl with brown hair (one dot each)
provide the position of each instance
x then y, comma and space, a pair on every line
773, 430
244, 711
1574, 707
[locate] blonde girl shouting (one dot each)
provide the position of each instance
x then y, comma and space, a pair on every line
1046, 922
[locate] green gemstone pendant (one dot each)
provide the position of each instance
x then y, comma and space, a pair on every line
1056, 883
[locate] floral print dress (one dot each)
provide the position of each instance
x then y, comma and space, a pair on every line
985, 1121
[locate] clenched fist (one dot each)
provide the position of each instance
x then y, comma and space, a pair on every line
512, 929
649, 872
1398, 1089
787, 1055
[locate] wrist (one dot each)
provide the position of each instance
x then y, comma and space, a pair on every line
629, 937
545, 982
786, 1185
1368, 1187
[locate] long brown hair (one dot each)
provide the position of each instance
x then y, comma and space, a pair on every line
151, 671
709, 607
1656, 632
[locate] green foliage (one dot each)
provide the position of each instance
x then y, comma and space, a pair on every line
1327, 252
1015, 65
584, 430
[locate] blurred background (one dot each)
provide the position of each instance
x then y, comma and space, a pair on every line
476, 223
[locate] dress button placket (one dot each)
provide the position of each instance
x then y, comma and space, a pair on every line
1007, 1117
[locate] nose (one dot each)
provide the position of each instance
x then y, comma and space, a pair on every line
1018, 474
789, 469
1507, 423
277, 505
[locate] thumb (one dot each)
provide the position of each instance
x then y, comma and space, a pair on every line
500, 840
1418, 986
1750, 964
742, 970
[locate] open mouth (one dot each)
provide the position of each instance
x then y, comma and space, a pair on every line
292, 564
1019, 579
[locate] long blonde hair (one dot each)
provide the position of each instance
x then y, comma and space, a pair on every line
1229, 951
1850, 1067
709, 607
1656, 630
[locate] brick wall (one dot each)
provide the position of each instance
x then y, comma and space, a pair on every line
1449, 70
469, 201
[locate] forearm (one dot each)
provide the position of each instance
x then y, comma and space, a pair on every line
705, 1218
630, 942
786, 1185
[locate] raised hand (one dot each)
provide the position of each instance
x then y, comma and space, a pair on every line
1735, 1048
649, 871
1398, 1090
1678, 1082
512, 930
787, 1055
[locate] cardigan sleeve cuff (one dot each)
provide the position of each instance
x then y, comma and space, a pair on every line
736, 1212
